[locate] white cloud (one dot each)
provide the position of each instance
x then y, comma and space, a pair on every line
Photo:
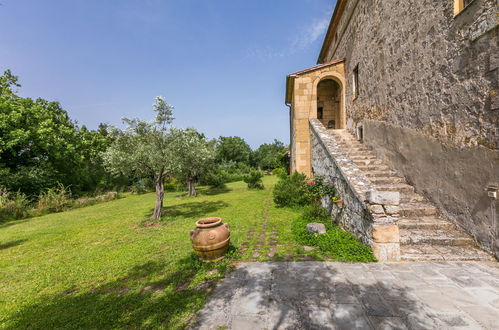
310, 34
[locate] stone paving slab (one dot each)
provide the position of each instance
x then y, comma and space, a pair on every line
331, 295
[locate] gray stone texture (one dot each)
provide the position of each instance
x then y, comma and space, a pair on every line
316, 228
428, 99
329, 295
383, 197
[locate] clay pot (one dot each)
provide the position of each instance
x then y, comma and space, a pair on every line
210, 239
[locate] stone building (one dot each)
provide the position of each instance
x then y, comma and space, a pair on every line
401, 114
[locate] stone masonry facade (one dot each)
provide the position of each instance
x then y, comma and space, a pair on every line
361, 213
419, 86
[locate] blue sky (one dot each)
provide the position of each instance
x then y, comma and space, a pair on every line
221, 63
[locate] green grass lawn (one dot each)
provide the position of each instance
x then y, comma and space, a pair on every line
107, 266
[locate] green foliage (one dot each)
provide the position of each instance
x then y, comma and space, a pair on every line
291, 190
40, 146
216, 179
280, 172
232, 149
335, 243
269, 156
195, 155
254, 180
142, 186
13, 205
55, 199
318, 188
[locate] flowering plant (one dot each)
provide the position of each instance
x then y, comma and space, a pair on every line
318, 188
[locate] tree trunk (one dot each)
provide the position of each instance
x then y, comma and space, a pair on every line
192, 189
159, 199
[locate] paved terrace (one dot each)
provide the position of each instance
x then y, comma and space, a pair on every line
330, 295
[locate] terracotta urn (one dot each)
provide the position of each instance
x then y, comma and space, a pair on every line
210, 239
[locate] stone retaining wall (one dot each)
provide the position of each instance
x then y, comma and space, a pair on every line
328, 161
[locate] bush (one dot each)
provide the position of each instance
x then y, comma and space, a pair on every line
142, 186
54, 199
279, 172
13, 205
215, 179
86, 201
291, 190
171, 185
254, 180
336, 243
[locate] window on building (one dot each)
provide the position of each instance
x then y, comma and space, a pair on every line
355, 82
459, 5
320, 111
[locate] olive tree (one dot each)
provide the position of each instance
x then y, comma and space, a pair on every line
146, 149
196, 156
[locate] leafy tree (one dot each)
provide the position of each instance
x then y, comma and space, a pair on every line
146, 149
269, 156
233, 149
39, 145
196, 156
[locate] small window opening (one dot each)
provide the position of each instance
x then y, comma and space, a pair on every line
360, 133
356, 81
320, 111
331, 124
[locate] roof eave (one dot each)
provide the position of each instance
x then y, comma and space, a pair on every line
337, 13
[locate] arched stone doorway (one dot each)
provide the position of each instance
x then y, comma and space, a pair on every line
329, 103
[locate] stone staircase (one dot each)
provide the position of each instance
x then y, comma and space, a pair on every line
424, 234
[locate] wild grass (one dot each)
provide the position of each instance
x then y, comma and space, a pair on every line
107, 266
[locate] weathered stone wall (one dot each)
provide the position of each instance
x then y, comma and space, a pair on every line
453, 178
428, 103
354, 216
421, 68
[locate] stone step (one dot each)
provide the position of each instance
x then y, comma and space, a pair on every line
375, 173
386, 179
403, 188
367, 161
408, 210
426, 223
434, 237
351, 153
441, 253
362, 156
411, 198
379, 167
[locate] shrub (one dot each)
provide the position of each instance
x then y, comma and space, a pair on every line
86, 201
279, 172
171, 185
254, 180
216, 179
291, 190
13, 205
55, 199
142, 186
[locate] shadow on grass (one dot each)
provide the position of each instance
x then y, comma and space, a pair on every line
210, 191
131, 301
193, 209
11, 244
8, 223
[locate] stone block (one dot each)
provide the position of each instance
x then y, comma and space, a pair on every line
316, 228
376, 209
386, 234
383, 197
386, 251
391, 209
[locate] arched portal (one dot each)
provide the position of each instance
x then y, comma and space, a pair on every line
329, 103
